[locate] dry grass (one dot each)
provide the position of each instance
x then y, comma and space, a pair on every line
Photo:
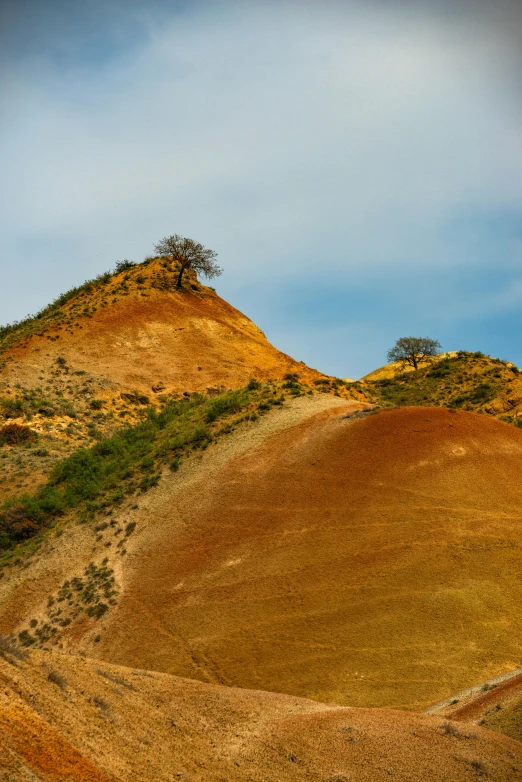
170, 729
10, 648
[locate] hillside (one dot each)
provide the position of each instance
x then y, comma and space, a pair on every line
135, 330
65, 717
102, 353
468, 381
208, 551
495, 704
367, 561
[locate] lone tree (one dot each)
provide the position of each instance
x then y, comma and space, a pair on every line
413, 351
190, 255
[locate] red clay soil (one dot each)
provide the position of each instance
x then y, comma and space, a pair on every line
140, 727
371, 562
27, 740
184, 340
476, 707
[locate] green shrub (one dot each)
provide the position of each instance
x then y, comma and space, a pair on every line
229, 402
12, 408
122, 266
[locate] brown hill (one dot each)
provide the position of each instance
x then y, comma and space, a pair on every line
469, 381
99, 355
65, 717
366, 561
136, 331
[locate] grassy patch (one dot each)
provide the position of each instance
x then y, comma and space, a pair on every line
470, 381
93, 479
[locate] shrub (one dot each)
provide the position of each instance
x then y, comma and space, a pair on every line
122, 266
8, 646
98, 610
450, 729
96, 404
57, 678
16, 434
12, 408
253, 385
230, 402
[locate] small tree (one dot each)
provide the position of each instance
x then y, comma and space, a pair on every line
413, 351
190, 255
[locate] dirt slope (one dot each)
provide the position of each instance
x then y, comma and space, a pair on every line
64, 717
97, 360
497, 704
365, 561
146, 336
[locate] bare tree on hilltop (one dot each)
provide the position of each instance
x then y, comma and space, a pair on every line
413, 351
190, 255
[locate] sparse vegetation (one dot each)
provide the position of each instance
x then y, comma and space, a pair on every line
9, 647
450, 729
93, 594
94, 478
467, 381
57, 678
16, 434
115, 680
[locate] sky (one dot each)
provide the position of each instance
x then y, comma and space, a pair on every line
356, 165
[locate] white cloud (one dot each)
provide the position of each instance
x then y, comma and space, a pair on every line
278, 134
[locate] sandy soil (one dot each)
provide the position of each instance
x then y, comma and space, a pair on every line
65, 717
179, 341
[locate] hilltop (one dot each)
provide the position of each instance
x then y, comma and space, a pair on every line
459, 380
134, 330
103, 353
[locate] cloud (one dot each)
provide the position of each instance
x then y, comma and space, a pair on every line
349, 140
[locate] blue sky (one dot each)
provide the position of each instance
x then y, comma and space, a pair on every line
356, 165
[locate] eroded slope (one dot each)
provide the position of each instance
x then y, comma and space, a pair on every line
97, 358
370, 562
64, 717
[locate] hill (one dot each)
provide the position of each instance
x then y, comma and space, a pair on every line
367, 561
468, 381
135, 330
68, 717
102, 353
